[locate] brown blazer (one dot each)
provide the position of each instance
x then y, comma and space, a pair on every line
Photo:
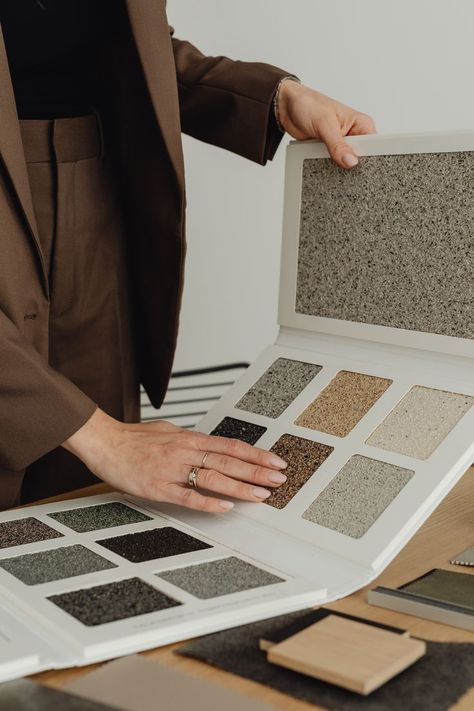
157, 86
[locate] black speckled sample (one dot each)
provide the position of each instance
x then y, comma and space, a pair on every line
26, 695
93, 518
113, 601
55, 564
303, 458
156, 543
281, 383
25, 530
390, 242
219, 577
238, 429
439, 679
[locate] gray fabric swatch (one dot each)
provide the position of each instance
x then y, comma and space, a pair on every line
357, 495
219, 577
26, 695
390, 242
55, 564
278, 387
435, 682
93, 518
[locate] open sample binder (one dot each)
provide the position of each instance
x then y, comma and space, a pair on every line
368, 393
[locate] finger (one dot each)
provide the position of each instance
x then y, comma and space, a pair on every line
240, 450
191, 499
339, 150
218, 483
363, 125
238, 469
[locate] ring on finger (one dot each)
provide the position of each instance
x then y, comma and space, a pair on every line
192, 477
204, 460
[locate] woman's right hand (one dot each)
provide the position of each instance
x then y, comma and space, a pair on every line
153, 460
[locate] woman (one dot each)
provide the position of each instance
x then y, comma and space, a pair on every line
94, 96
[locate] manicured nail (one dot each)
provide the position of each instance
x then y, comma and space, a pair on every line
349, 160
277, 478
277, 462
261, 493
226, 505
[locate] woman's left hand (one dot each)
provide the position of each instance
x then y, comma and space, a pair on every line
305, 113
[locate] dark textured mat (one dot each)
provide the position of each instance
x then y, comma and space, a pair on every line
435, 682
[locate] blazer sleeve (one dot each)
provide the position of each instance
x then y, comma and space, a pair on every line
39, 408
228, 103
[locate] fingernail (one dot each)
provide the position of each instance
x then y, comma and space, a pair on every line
226, 505
277, 478
261, 493
277, 462
349, 160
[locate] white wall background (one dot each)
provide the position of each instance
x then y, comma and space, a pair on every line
409, 63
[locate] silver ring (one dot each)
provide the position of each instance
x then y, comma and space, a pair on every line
192, 477
204, 460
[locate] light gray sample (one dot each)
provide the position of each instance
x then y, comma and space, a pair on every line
284, 380
94, 518
357, 496
55, 564
420, 422
219, 577
390, 243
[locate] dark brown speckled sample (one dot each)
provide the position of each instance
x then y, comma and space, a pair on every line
303, 458
25, 530
238, 429
390, 242
343, 403
155, 543
281, 383
113, 601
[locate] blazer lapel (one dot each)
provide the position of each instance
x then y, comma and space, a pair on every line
11, 151
149, 25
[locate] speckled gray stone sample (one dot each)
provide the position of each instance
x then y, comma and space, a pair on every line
238, 429
278, 387
93, 518
357, 496
26, 695
390, 243
113, 601
25, 530
155, 543
55, 564
219, 577
420, 422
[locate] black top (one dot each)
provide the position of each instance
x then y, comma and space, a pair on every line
52, 53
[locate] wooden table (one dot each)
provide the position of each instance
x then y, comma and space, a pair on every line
447, 532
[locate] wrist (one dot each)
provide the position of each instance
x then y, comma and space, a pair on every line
95, 440
287, 89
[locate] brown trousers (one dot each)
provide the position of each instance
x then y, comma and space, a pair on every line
82, 237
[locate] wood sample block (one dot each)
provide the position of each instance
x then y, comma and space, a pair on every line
350, 654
